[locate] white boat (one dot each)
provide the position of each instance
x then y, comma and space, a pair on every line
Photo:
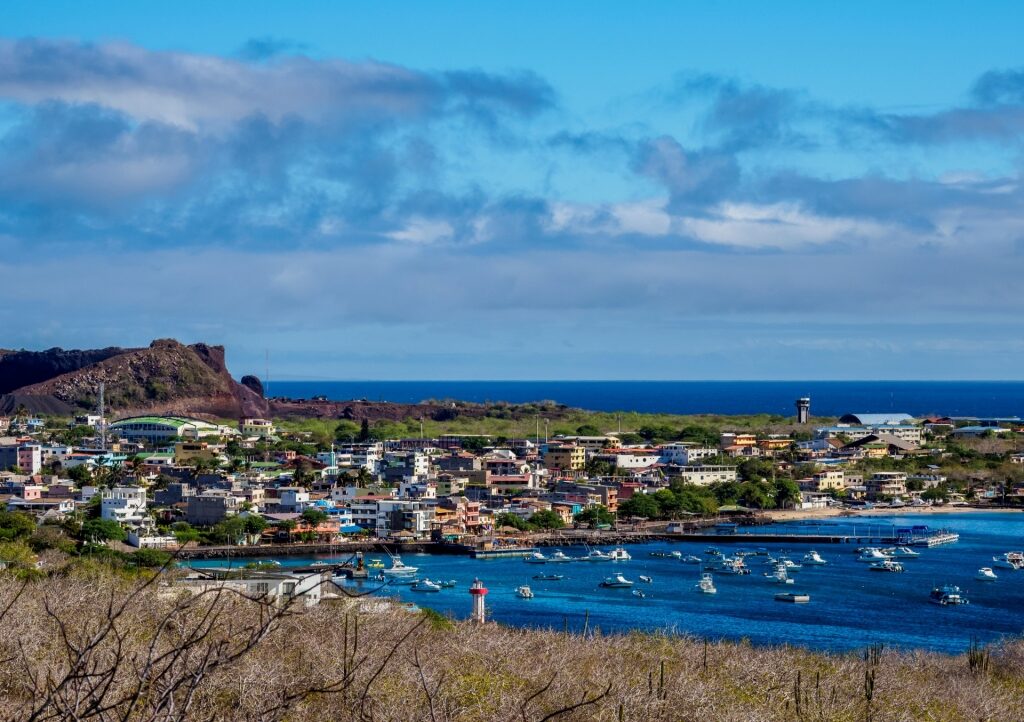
1010, 560
778, 575
901, 552
813, 559
618, 554
425, 585
733, 566
677, 555
536, 558
616, 581
947, 595
559, 557
646, 579
706, 585
791, 566
797, 597
596, 555
398, 569
524, 592
449, 584
872, 554
985, 574
690, 559
886, 566
638, 593
549, 577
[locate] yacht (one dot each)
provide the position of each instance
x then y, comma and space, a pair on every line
1010, 560
559, 557
791, 566
596, 555
616, 581
947, 595
549, 577
887, 565
536, 558
778, 575
524, 592
902, 552
399, 569
664, 555
619, 554
872, 554
706, 585
425, 585
676, 555
797, 597
813, 559
733, 566
985, 574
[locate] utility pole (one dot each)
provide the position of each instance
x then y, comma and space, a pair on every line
103, 421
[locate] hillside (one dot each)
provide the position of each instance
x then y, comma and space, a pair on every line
165, 377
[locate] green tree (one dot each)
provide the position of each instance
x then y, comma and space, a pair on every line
102, 530
507, 519
151, 558
592, 516
15, 525
786, 493
314, 517
364, 431
588, 430
642, 505
546, 519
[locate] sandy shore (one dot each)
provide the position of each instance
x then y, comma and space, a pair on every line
791, 514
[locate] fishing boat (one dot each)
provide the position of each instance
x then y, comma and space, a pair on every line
524, 592
536, 558
778, 575
638, 593
646, 579
887, 565
733, 566
676, 555
813, 559
618, 554
796, 597
985, 574
449, 584
664, 555
791, 566
549, 577
901, 552
947, 595
1013, 561
596, 555
706, 585
399, 569
713, 551
616, 581
425, 585
872, 554
690, 559
559, 557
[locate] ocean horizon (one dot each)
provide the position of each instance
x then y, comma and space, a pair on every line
828, 398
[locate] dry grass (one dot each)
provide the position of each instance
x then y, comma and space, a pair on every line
96, 646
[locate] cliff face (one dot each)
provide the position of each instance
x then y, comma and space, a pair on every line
166, 377
23, 368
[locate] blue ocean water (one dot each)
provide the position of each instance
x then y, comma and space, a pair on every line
850, 606
828, 398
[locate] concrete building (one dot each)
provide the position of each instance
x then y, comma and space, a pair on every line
124, 504
681, 454
565, 458
161, 429
705, 475
26, 457
211, 507
261, 428
803, 409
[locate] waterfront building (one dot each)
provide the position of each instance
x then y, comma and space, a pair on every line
211, 507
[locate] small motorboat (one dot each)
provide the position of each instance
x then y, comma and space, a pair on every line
536, 558
795, 597
872, 554
638, 593
663, 555
449, 584
676, 555
1014, 561
706, 585
733, 565
778, 575
646, 579
425, 585
947, 595
791, 566
713, 551
616, 581
813, 559
985, 574
559, 557
596, 555
886, 566
690, 559
618, 554
902, 552
549, 577
524, 592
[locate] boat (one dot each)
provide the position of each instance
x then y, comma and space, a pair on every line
713, 551
813, 559
646, 579
887, 565
985, 574
320, 564
596, 555
618, 554
778, 575
559, 557
664, 555
690, 559
947, 595
425, 585
375, 564
549, 577
676, 555
901, 552
524, 592
1013, 561
791, 566
638, 593
706, 585
536, 558
449, 584
403, 580
796, 597
399, 569
733, 566
616, 581
872, 554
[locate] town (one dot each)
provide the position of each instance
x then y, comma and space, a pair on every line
145, 486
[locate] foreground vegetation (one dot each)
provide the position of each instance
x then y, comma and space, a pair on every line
90, 643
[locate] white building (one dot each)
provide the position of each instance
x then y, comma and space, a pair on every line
686, 454
124, 504
276, 587
293, 498
704, 475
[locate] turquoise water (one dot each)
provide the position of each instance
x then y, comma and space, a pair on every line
850, 606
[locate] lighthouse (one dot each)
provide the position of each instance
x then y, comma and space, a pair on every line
803, 409
479, 591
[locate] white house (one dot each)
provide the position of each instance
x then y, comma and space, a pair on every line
685, 454
124, 504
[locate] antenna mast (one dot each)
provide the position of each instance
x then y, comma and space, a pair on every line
103, 421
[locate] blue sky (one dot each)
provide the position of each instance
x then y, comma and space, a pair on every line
519, 190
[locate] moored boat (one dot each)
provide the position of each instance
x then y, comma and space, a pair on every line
887, 565
425, 585
596, 555
690, 559
985, 574
535, 558
1014, 561
706, 585
812, 558
646, 579
872, 554
559, 557
618, 554
549, 577
947, 595
399, 569
616, 581
797, 597
524, 592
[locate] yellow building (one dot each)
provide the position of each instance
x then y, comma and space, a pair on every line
256, 427
188, 451
566, 458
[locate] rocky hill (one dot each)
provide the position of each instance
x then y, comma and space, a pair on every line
23, 368
166, 377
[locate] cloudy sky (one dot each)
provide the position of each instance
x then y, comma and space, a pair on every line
521, 190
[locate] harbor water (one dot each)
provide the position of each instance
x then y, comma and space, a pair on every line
850, 606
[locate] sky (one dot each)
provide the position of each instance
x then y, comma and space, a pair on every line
527, 190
